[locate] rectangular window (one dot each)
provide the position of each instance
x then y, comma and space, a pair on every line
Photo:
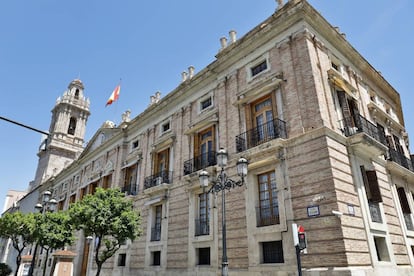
72, 199
202, 223
272, 252
130, 180
381, 134
122, 259
162, 161
165, 127
60, 205
382, 249
262, 66
204, 256
405, 207
373, 193
156, 258
206, 103
107, 181
261, 121
156, 229
72, 126
135, 144
349, 113
92, 187
268, 209
204, 148
372, 188
82, 193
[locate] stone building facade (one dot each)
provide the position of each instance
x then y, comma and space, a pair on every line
324, 135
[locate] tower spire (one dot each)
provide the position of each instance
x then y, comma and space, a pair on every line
67, 132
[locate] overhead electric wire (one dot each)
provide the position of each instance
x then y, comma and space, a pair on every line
25, 126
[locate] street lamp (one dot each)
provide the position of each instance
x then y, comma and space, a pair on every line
47, 205
223, 183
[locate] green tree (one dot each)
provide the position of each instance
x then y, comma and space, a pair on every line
54, 231
19, 228
109, 217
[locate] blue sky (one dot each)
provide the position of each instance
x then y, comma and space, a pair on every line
45, 44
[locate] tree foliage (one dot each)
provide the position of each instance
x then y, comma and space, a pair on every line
109, 217
5, 270
20, 229
54, 230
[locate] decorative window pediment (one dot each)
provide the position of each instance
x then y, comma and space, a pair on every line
163, 141
259, 89
336, 79
206, 119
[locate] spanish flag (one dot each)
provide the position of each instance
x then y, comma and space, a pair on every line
114, 96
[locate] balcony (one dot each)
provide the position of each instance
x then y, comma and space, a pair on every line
200, 162
202, 227
412, 160
130, 189
261, 134
362, 125
164, 177
400, 159
156, 233
267, 215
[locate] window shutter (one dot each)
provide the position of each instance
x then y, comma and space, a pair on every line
248, 111
398, 146
197, 144
274, 105
167, 165
389, 142
155, 162
346, 112
213, 132
403, 201
373, 186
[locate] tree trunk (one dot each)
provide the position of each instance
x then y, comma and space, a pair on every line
45, 261
32, 264
98, 270
18, 261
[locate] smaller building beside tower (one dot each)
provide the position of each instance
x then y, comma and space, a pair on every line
57, 151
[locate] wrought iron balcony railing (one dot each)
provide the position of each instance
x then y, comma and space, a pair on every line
200, 162
158, 179
130, 189
359, 124
267, 215
261, 134
400, 159
412, 160
156, 233
202, 227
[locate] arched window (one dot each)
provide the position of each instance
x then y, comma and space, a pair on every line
77, 94
72, 126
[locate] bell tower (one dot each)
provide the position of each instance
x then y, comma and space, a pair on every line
66, 133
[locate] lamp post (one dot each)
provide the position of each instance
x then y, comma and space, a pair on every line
48, 204
223, 183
